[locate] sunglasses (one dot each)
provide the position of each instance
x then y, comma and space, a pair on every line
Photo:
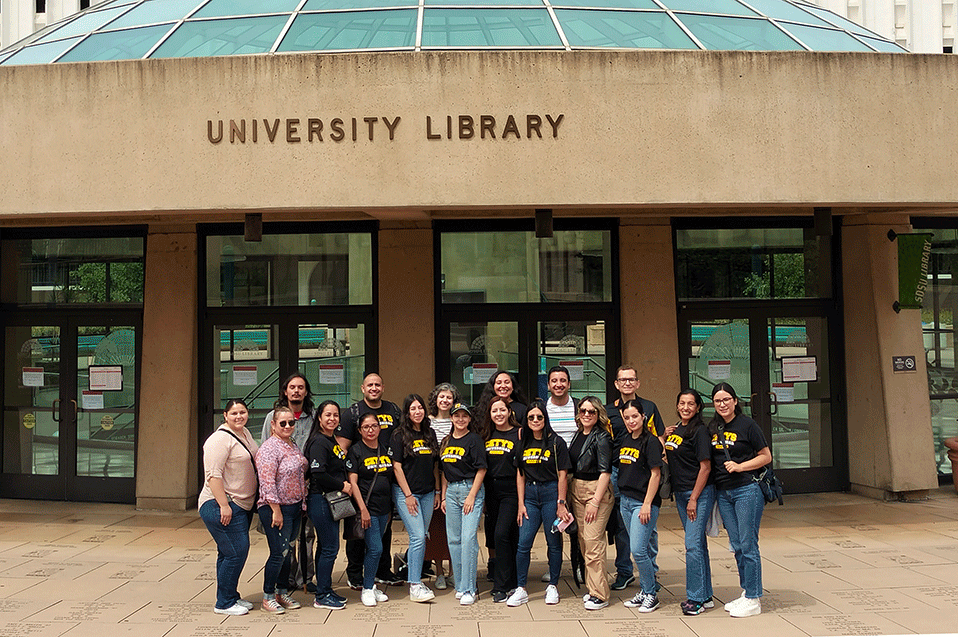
534, 417
588, 412
286, 423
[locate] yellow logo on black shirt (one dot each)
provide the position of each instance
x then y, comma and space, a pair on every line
379, 464
453, 454
535, 455
499, 446
628, 455
730, 438
673, 442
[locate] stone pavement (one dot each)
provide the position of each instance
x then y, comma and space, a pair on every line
834, 564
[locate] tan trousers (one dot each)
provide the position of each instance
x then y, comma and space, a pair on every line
592, 535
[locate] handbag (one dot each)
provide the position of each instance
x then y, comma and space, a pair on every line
665, 482
772, 488
340, 505
714, 524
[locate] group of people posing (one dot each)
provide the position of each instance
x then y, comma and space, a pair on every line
559, 463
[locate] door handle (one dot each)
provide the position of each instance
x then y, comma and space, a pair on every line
76, 410
56, 409
774, 404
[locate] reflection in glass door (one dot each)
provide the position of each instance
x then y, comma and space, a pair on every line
477, 350
579, 346
247, 367
70, 410
787, 391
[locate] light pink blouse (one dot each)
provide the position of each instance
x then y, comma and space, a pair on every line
224, 457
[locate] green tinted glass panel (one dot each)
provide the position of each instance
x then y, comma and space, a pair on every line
84, 23
236, 36
764, 263
156, 11
220, 8
473, 3
41, 53
623, 4
328, 5
488, 27
883, 46
824, 39
356, 30
738, 34
573, 266
128, 44
283, 269
637, 29
782, 10
730, 7
840, 21
73, 271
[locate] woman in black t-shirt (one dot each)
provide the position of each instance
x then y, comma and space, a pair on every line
370, 472
543, 462
639, 458
327, 473
415, 453
463, 461
738, 451
690, 462
502, 499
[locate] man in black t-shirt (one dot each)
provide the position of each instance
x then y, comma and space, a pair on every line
388, 414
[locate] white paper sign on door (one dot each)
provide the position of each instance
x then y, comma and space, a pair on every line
244, 375
482, 372
720, 370
33, 377
784, 392
92, 399
332, 374
799, 369
576, 369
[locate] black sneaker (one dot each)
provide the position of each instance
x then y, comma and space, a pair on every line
621, 582
690, 607
311, 587
353, 585
389, 579
499, 596
649, 604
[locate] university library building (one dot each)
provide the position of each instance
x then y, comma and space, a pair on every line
198, 197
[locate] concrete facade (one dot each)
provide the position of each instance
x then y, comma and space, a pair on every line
643, 136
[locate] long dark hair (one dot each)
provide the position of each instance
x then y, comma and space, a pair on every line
696, 420
489, 393
526, 436
307, 400
407, 434
317, 428
717, 421
484, 423
637, 405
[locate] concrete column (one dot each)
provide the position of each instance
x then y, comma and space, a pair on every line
407, 347
57, 9
167, 445
17, 18
889, 420
648, 315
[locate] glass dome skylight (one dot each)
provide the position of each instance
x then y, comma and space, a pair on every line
139, 29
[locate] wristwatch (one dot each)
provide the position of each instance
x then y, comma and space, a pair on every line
562, 502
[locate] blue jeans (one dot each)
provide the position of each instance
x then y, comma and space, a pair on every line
462, 531
374, 547
416, 527
327, 542
640, 536
276, 571
623, 553
232, 548
698, 571
741, 510
541, 504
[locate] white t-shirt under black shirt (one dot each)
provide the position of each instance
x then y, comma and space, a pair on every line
562, 419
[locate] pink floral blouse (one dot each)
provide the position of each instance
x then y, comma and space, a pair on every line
282, 473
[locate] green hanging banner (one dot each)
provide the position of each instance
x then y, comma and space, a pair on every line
914, 253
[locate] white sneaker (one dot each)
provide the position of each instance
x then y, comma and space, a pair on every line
519, 597
420, 593
735, 602
247, 605
458, 594
747, 608
467, 599
441, 582
552, 595
594, 603
368, 597
235, 609
380, 596
586, 597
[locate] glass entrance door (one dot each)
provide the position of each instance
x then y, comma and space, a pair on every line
70, 408
780, 366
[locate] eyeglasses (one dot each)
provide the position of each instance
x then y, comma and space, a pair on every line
286, 423
722, 401
369, 427
626, 380
588, 412
536, 417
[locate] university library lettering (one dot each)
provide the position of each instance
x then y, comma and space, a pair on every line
314, 129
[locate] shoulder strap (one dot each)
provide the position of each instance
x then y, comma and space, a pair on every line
721, 431
227, 431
